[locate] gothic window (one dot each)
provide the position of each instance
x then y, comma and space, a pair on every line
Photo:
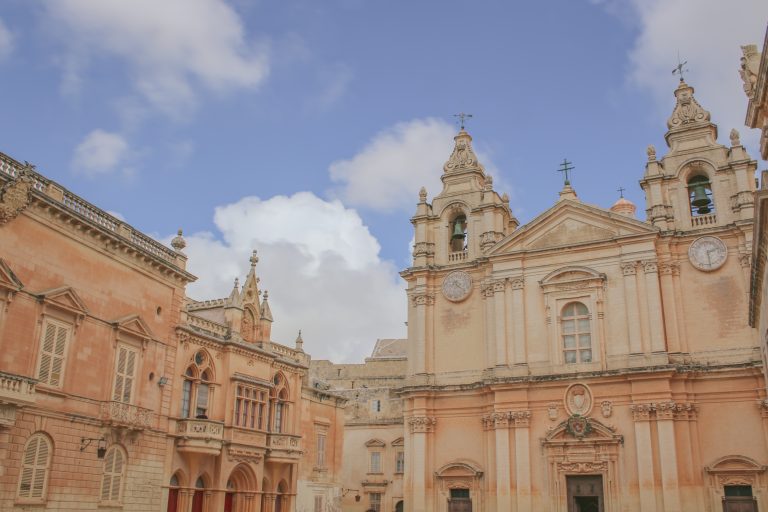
196, 390
459, 233
112, 479
125, 374
700, 196
576, 334
35, 467
250, 404
53, 346
279, 403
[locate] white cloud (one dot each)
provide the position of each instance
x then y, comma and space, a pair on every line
388, 172
170, 46
320, 264
708, 34
6, 41
100, 153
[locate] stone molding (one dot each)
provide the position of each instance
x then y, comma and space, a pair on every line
421, 424
669, 410
423, 299
506, 419
583, 467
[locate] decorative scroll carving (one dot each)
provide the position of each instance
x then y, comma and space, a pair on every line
687, 111
463, 156
750, 63
421, 424
521, 418
489, 238
583, 467
606, 408
15, 197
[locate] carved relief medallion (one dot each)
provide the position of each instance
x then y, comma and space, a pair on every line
457, 286
578, 400
707, 253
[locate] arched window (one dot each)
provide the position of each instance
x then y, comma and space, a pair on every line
700, 196
112, 480
173, 494
280, 396
197, 497
458, 233
35, 466
576, 333
196, 391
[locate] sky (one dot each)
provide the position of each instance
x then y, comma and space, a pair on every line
305, 129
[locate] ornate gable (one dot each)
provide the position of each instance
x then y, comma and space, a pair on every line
570, 223
64, 298
133, 325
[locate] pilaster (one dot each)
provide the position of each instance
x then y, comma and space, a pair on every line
629, 270
655, 316
518, 323
420, 427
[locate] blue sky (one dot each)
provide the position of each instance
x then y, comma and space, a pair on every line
304, 129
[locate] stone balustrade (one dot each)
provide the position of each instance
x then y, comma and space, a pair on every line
285, 443
454, 257
200, 436
207, 325
16, 389
704, 220
123, 415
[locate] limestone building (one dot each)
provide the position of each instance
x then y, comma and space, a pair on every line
374, 450
119, 392
588, 360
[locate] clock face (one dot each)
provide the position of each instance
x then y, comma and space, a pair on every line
457, 286
707, 253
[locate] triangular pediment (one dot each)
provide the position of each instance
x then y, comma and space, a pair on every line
133, 325
378, 443
66, 298
8, 279
570, 223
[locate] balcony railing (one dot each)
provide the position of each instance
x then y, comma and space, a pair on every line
16, 389
200, 436
704, 220
129, 416
284, 442
457, 256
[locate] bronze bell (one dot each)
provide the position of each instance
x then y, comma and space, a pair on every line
458, 231
700, 198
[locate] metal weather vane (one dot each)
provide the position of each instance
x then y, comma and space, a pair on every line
462, 118
680, 68
565, 167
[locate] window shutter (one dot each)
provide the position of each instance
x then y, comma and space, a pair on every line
34, 468
125, 373
41, 463
117, 476
106, 482
53, 349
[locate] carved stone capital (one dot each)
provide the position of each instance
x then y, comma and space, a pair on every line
496, 420
489, 238
763, 405
669, 268
629, 268
423, 299
421, 424
669, 410
650, 266
423, 249
745, 260
521, 418
642, 412
517, 284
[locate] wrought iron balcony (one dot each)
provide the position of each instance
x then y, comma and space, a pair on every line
132, 417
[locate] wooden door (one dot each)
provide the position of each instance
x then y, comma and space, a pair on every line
228, 500
585, 493
173, 500
459, 505
197, 501
739, 504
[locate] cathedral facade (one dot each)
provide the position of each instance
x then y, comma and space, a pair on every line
588, 360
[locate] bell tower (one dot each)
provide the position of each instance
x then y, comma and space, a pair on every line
466, 217
698, 184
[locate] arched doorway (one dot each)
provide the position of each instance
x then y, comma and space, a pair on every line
229, 497
282, 488
399, 506
241, 487
197, 498
173, 494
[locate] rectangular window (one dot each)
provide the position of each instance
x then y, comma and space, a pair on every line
318, 504
248, 406
52, 352
375, 462
186, 395
375, 405
125, 374
202, 401
278, 417
320, 450
375, 501
399, 462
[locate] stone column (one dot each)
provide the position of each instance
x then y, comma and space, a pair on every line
668, 301
420, 302
500, 423
668, 456
490, 325
633, 313
501, 330
420, 427
646, 490
655, 316
518, 323
522, 421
